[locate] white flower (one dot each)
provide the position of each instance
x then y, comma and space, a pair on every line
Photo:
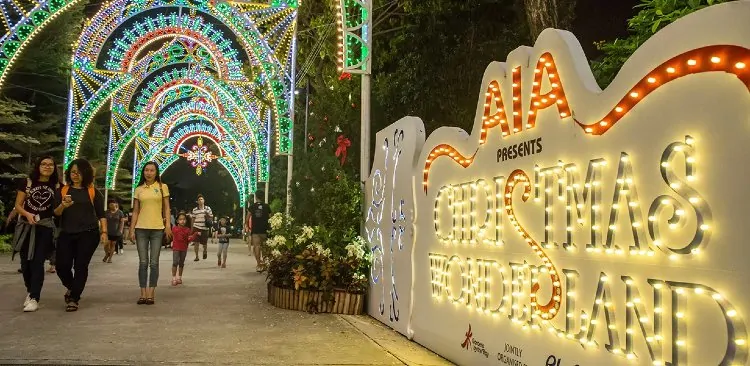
271, 243
308, 232
319, 248
356, 249
279, 240
276, 221
275, 253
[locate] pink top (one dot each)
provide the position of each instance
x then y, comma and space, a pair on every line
181, 238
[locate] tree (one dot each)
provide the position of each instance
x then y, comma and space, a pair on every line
543, 14
14, 119
652, 16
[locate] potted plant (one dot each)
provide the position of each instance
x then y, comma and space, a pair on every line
312, 271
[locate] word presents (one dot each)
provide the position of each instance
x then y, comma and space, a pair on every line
519, 150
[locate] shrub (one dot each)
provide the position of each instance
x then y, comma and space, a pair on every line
310, 258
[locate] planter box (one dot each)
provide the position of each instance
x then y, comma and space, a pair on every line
312, 301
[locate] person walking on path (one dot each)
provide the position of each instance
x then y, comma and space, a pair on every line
123, 223
260, 212
83, 225
150, 223
223, 234
35, 229
114, 229
201, 217
181, 238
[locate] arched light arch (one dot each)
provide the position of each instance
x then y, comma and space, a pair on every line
93, 43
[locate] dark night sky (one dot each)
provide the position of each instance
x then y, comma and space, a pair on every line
601, 20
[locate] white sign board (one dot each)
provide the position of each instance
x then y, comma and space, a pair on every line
389, 224
576, 226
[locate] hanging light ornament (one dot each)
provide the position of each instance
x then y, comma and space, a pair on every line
199, 156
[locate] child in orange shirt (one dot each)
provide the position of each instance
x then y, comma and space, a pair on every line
181, 238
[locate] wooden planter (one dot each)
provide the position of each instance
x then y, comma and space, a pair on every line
312, 301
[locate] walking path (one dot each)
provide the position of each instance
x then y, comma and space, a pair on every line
218, 316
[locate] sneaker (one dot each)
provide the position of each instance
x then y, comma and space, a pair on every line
196, 259
32, 306
28, 299
205, 255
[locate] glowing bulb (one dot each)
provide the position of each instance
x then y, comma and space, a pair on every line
651, 80
740, 65
692, 62
732, 313
715, 60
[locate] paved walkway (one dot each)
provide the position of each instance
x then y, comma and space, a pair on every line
219, 316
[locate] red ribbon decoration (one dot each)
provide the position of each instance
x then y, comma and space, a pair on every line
345, 75
343, 143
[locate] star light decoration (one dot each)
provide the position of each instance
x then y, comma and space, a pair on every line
199, 156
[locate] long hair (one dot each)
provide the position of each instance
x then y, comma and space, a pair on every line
84, 169
35, 175
143, 170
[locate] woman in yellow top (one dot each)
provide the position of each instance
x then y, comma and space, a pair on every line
150, 223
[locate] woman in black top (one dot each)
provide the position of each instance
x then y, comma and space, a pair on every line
82, 227
34, 233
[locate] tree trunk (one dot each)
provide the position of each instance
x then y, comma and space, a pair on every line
542, 14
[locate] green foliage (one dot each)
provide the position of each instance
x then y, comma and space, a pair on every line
652, 16
326, 196
5, 246
14, 120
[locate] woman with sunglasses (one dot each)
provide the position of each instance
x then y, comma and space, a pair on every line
34, 234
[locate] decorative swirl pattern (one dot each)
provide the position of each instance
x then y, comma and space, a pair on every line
550, 309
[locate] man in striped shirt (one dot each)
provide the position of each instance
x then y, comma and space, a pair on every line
201, 217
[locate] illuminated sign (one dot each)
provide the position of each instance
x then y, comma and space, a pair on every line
578, 226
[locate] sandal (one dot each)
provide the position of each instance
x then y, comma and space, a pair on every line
51, 269
141, 301
71, 307
150, 301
